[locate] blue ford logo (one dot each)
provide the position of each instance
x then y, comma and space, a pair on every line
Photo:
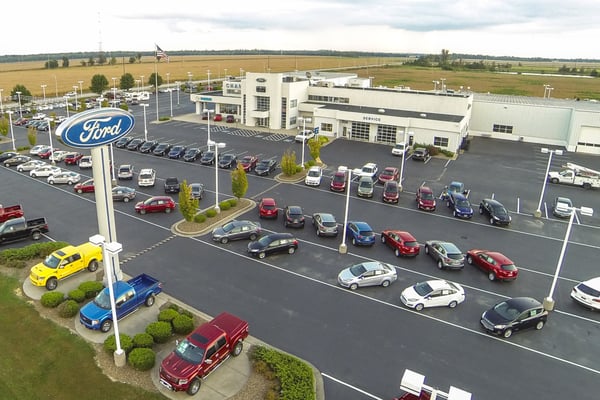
94, 128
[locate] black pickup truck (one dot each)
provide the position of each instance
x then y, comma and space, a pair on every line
20, 228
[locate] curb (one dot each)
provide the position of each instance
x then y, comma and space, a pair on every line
175, 228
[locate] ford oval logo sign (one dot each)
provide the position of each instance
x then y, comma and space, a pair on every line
94, 128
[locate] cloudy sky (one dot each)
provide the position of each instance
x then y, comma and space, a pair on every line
526, 28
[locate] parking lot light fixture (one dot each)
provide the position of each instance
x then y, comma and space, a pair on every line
587, 211
20, 110
12, 133
142, 82
538, 211
67, 104
178, 84
144, 105
402, 163
217, 147
304, 120
1, 106
80, 88
76, 104
44, 92
208, 111
343, 248
53, 162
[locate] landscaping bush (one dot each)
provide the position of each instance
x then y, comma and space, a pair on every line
52, 299
174, 306
224, 205
298, 169
143, 340
199, 218
167, 315
232, 202
211, 213
110, 344
36, 250
68, 309
91, 288
78, 295
160, 331
142, 359
182, 324
18, 264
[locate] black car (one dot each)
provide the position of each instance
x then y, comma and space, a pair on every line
236, 230
123, 142
208, 158
228, 161
495, 211
293, 216
162, 149
273, 243
172, 185
265, 167
7, 154
192, 154
148, 146
16, 160
513, 315
420, 154
177, 151
135, 144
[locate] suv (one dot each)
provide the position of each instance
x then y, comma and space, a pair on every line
400, 148
420, 154
365, 187
146, 177
325, 224
460, 205
172, 185
125, 171
425, 198
313, 176
338, 181
497, 214
85, 162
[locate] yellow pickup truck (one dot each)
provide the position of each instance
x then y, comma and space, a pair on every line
64, 263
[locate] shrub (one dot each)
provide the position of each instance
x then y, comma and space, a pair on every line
36, 250
167, 315
18, 264
68, 309
224, 205
298, 169
310, 163
182, 324
186, 313
142, 359
110, 344
174, 306
52, 299
211, 213
77, 294
91, 288
232, 202
160, 331
143, 340
199, 218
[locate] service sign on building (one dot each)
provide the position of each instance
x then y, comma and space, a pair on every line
94, 128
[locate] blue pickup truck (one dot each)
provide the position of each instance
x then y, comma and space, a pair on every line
129, 296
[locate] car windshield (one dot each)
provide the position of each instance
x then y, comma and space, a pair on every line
146, 176
209, 154
411, 244
124, 169
499, 210
102, 300
391, 188
228, 227
427, 196
339, 178
329, 224
365, 184
189, 352
264, 241
388, 172
463, 203
509, 267
506, 311
51, 261
357, 270
313, 173
422, 288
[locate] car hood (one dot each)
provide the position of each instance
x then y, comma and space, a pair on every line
410, 293
494, 318
92, 311
177, 366
346, 276
254, 246
218, 232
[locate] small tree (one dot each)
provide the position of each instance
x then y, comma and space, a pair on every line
187, 205
31, 137
99, 84
127, 81
239, 181
155, 79
4, 126
314, 146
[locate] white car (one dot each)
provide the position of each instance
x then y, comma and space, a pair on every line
434, 293
85, 162
58, 155
44, 171
68, 177
304, 136
400, 148
587, 293
369, 169
30, 165
39, 148
146, 177
313, 176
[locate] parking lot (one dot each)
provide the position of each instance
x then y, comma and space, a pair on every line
363, 340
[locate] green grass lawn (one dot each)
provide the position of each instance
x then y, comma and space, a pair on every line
40, 360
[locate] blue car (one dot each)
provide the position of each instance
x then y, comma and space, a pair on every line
460, 205
453, 187
177, 151
361, 233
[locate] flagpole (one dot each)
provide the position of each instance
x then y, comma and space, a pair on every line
156, 85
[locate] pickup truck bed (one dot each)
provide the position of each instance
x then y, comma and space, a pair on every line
10, 212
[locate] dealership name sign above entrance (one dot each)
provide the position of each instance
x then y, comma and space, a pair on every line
94, 128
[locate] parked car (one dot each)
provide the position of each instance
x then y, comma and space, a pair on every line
368, 273
8, 155
208, 158
400, 148
177, 151
249, 163
47, 154
85, 162
35, 150
587, 293
123, 193
460, 205
273, 243
147, 177
218, 117
445, 254
325, 224
44, 171
453, 187
495, 211
172, 185
230, 118
86, 186
58, 155
228, 161
162, 149
360, 233
16, 160
391, 192
433, 293
148, 146
562, 207
197, 191
293, 217
68, 177
123, 142
313, 176
265, 167
365, 187
236, 230
304, 136
338, 181
155, 204
369, 169
513, 315
495, 264
267, 208
30, 165
420, 154
403, 243
125, 171
389, 174
135, 144
192, 154
15, 229
72, 158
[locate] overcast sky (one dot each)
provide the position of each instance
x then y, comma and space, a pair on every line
521, 28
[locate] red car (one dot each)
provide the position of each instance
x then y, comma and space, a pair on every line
391, 192
338, 182
389, 174
497, 265
73, 158
47, 153
249, 163
425, 199
403, 243
85, 186
218, 117
267, 208
155, 204
21, 121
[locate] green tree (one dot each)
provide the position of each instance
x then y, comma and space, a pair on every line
155, 79
32, 136
239, 181
4, 126
51, 64
132, 59
288, 162
20, 88
314, 146
91, 62
99, 84
101, 58
113, 61
138, 57
444, 57
65, 62
187, 205
127, 81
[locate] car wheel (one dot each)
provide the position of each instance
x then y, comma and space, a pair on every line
69, 183
507, 333
491, 276
382, 239
224, 240
440, 265
448, 203
452, 304
253, 237
167, 210
237, 349
291, 250
397, 253
261, 255
126, 199
539, 325
7, 165
454, 213
470, 260
149, 301
419, 307
36, 235
79, 191
353, 242
142, 212
93, 266
20, 169
480, 210
426, 249
385, 283
354, 286
51, 283
194, 386
51, 182
106, 325
33, 175
491, 221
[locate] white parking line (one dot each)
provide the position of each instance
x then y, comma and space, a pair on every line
350, 386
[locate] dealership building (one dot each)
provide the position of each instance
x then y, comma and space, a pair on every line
338, 104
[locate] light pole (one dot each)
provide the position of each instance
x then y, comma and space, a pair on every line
548, 301
538, 211
76, 103
190, 82
137, 84
20, 111
170, 94
112, 165
304, 120
44, 92
12, 133
403, 158
142, 82
208, 111
217, 147
145, 125
343, 249
1, 106
208, 80
241, 72
80, 88
55, 87
178, 84
114, 83
67, 104
110, 250
53, 162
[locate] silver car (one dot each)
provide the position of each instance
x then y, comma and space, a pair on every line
44, 171
368, 273
446, 254
365, 186
236, 230
68, 177
325, 224
30, 165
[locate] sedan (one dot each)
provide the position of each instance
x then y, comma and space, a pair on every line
495, 264
446, 254
228, 161
84, 187
177, 151
197, 191
325, 224
44, 171
265, 167
236, 230
192, 154
273, 243
249, 163
208, 158
267, 208
72, 158
155, 204
7, 155
68, 177
135, 144
46, 153
123, 142
30, 165
35, 150
433, 293
495, 211
513, 315
58, 155
389, 174
16, 160
587, 293
148, 146
562, 207
403, 243
304, 136
361, 233
368, 273
293, 216
391, 192
162, 149
123, 193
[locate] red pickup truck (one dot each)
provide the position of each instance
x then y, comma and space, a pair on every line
202, 352
10, 212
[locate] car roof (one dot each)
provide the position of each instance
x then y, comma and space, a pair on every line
437, 284
425, 189
493, 202
450, 247
314, 168
523, 303
146, 171
390, 183
160, 198
326, 217
268, 200
363, 226
593, 283
295, 209
403, 234
458, 195
275, 236
373, 265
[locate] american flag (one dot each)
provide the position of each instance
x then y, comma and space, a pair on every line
160, 54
